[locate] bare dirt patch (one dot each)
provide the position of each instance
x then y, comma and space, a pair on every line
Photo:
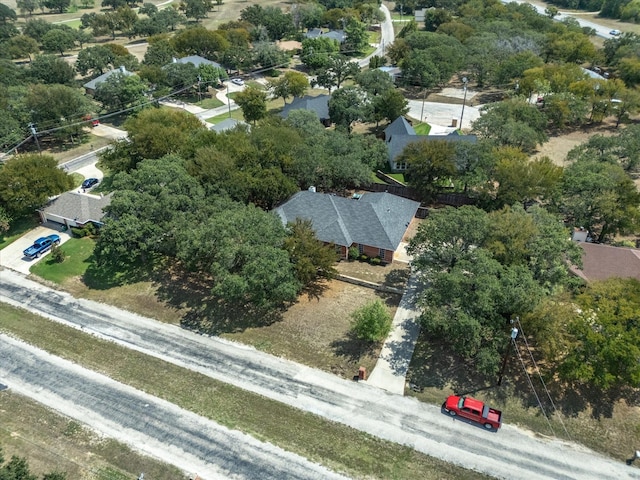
560, 145
315, 331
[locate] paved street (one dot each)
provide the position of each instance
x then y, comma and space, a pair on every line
151, 425
511, 453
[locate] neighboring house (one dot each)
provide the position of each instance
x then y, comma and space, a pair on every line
601, 262
196, 60
338, 35
394, 72
75, 209
90, 86
227, 124
374, 223
400, 133
318, 105
419, 15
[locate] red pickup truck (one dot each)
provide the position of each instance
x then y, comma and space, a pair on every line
474, 410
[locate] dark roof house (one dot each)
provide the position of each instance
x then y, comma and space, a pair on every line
400, 133
91, 85
319, 105
375, 221
601, 262
75, 209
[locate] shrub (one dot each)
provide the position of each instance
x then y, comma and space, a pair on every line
353, 253
89, 230
376, 261
364, 258
57, 254
371, 322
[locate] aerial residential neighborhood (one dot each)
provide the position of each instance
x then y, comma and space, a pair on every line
319, 240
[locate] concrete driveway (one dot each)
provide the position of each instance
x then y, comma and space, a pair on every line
12, 257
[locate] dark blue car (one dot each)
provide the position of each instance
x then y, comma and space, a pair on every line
89, 182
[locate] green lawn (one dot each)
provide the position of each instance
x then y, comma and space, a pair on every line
397, 176
422, 128
18, 228
236, 114
208, 103
78, 251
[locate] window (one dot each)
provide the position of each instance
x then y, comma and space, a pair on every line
381, 254
360, 248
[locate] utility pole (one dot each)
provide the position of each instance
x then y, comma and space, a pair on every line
512, 340
424, 97
228, 99
34, 133
465, 80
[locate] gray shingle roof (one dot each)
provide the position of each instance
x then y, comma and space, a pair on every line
319, 105
400, 126
377, 219
92, 84
196, 60
338, 35
78, 207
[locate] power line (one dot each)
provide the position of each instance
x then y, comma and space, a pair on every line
559, 416
524, 368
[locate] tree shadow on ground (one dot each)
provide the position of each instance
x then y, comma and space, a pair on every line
435, 365
203, 312
397, 278
104, 277
353, 348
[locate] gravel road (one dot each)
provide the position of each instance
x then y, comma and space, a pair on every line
510, 453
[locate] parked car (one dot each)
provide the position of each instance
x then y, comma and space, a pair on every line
615, 32
89, 182
237, 81
41, 245
474, 410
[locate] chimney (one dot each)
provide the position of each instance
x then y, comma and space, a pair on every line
122, 69
312, 189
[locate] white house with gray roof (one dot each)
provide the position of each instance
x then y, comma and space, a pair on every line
374, 223
75, 209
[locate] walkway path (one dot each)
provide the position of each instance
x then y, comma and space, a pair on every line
393, 363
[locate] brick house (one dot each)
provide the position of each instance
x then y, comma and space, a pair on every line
374, 223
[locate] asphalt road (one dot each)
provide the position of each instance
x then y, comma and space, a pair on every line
154, 426
511, 453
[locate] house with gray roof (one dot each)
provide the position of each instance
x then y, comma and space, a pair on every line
374, 223
196, 60
75, 209
401, 133
318, 105
91, 85
337, 35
